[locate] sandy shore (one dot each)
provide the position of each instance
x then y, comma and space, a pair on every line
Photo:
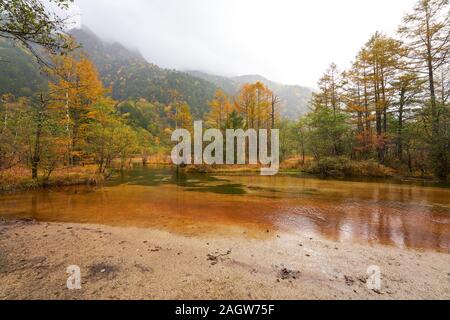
132, 263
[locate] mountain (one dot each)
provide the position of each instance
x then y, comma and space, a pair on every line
294, 99
19, 73
128, 74
131, 77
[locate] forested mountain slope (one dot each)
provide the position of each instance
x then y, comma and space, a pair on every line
19, 73
128, 74
294, 99
132, 77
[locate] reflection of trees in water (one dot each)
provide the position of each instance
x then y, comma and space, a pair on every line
368, 213
189, 181
383, 222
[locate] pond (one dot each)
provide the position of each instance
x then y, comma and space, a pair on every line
401, 215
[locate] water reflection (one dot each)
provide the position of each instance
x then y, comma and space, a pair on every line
407, 216
192, 182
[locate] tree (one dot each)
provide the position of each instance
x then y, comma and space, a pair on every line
75, 86
144, 144
302, 136
245, 104
383, 56
31, 23
327, 132
330, 86
182, 116
358, 100
427, 33
125, 142
107, 135
14, 126
289, 139
220, 110
409, 88
274, 102
236, 121
255, 103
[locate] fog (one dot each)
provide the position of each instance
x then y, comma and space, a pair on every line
289, 41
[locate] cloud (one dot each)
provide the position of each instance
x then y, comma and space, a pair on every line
290, 41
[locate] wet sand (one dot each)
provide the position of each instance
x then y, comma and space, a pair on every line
153, 263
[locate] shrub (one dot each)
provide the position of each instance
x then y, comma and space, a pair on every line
344, 167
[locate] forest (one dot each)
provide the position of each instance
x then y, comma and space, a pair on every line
391, 106
387, 115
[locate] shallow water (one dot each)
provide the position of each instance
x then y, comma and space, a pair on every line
401, 215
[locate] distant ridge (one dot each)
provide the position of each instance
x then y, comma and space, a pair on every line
295, 99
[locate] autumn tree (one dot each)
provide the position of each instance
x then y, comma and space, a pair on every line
221, 109
254, 103
383, 56
30, 134
125, 142
180, 114
75, 87
358, 100
245, 104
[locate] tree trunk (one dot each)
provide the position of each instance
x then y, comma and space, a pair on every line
438, 152
36, 158
400, 125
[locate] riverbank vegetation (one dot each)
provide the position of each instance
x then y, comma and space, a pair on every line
18, 178
391, 107
387, 115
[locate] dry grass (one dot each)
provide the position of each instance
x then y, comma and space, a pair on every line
344, 167
19, 178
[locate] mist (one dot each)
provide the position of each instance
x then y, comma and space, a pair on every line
291, 42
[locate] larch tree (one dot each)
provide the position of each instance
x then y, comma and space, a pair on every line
220, 110
254, 103
426, 31
76, 86
383, 57
330, 89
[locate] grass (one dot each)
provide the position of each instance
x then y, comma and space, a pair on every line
19, 178
345, 167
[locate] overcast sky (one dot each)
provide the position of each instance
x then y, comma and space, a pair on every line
289, 41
